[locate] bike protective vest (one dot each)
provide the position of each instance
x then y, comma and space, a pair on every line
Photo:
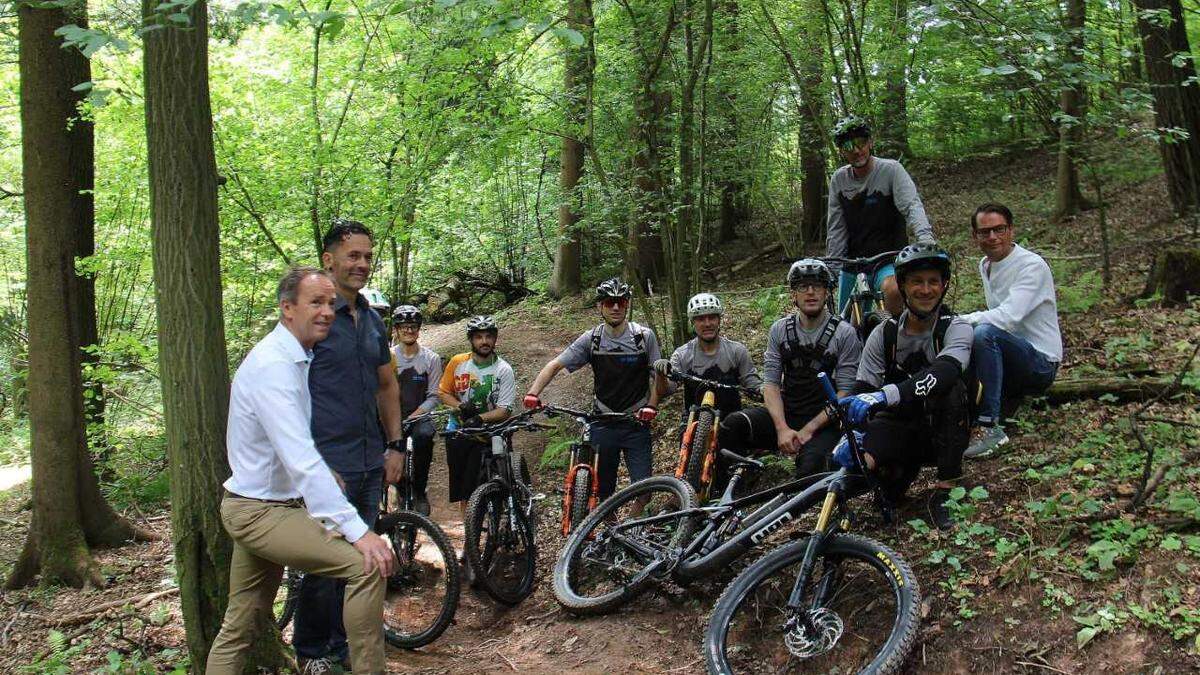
802, 394
622, 379
896, 373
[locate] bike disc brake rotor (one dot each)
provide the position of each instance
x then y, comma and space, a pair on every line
805, 643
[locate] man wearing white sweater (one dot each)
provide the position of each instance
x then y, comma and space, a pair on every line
1017, 346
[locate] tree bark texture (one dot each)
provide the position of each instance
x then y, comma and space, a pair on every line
893, 127
1068, 200
1163, 33
69, 512
735, 199
578, 66
187, 277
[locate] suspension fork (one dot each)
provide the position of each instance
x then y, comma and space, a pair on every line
685, 444
797, 601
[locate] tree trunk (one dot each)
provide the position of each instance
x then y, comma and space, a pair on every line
645, 240
1068, 199
893, 127
1176, 96
578, 67
69, 512
192, 360
734, 198
1175, 276
813, 183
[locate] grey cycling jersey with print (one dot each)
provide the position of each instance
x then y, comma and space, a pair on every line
844, 346
872, 369
625, 352
731, 357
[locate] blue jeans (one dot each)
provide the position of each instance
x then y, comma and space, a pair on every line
609, 440
318, 631
1008, 367
847, 281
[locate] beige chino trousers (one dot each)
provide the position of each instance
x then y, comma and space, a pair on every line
267, 537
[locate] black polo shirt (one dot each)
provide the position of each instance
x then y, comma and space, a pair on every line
343, 380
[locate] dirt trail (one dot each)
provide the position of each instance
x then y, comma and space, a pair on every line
656, 634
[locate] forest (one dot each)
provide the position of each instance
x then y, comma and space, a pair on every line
163, 163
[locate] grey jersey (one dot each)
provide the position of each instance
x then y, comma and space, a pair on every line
419, 377
845, 347
620, 366
888, 177
956, 344
731, 357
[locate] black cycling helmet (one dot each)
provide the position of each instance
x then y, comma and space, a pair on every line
922, 256
850, 126
480, 323
810, 268
613, 288
407, 314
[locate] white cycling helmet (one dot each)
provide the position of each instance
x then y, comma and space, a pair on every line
704, 304
376, 300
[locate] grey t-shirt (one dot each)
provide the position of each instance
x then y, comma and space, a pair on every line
419, 378
956, 344
579, 353
844, 346
887, 177
731, 357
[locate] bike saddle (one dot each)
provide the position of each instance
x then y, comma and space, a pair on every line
738, 459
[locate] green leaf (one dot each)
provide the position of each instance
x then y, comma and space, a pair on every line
979, 493
1005, 69
1171, 543
569, 35
958, 493
919, 525
1085, 636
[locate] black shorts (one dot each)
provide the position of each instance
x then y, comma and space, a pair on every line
751, 431
464, 457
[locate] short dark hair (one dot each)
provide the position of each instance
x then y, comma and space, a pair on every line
341, 230
289, 286
992, 208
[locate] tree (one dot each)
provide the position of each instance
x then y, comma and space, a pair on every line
893, 112
1172, 77
578, 67
69, 512
1068, 199
193, 363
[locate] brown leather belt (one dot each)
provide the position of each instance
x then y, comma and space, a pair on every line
298, 502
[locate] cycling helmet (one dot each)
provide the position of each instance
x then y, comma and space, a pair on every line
481, 323
704, 304
810, 268
922, 256
850, 126
376, 300
612, 288
407, 314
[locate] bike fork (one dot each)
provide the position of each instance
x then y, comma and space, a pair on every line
797, 599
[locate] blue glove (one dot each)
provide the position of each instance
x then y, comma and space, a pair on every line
842, 455
859, 408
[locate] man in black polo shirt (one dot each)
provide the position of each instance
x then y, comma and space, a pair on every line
353, 389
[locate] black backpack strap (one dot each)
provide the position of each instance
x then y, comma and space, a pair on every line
891, 331
596, 339
639, 340
939, 331
827, 334
791, 336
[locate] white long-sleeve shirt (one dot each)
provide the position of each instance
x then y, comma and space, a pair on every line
1019, 291
269, 437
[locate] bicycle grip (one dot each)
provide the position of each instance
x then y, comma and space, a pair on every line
830, 393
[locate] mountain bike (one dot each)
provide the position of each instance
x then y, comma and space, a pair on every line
698, 446
582, 484
830, 601
422, 594
618, 551
500, 545
865, 309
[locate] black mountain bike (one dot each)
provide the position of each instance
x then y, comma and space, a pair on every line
500, 545
865, 310
620, 549
581, 487
422, 595
698, 445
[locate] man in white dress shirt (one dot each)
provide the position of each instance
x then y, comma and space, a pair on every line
282, 505
1018, 345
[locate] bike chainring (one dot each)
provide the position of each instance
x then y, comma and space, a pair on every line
806, 639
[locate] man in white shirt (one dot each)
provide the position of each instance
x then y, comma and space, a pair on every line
282, 505
1017, 346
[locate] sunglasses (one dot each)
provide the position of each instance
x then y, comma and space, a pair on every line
806, 286
852, 144
614, 303
984, 233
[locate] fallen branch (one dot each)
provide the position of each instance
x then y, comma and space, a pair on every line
1123, 388
136, 602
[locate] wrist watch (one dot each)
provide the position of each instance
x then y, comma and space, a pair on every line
398, 445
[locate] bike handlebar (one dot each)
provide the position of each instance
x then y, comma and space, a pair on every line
413, 421
713, 384
556, 410
506, 427
862, 264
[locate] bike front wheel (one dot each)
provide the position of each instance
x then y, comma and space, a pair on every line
861, 614
694, 471
581, 496
500, 544
422, 595
607, 560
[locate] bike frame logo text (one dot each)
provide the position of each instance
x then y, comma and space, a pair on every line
779, 522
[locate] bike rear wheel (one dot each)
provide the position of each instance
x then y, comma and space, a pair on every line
596, 573
500, 544
422, 595
862, 614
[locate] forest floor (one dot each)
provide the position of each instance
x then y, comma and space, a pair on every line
1023, 584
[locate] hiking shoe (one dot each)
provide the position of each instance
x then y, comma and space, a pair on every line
320, 666
989, 440
939, 512
421, 505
